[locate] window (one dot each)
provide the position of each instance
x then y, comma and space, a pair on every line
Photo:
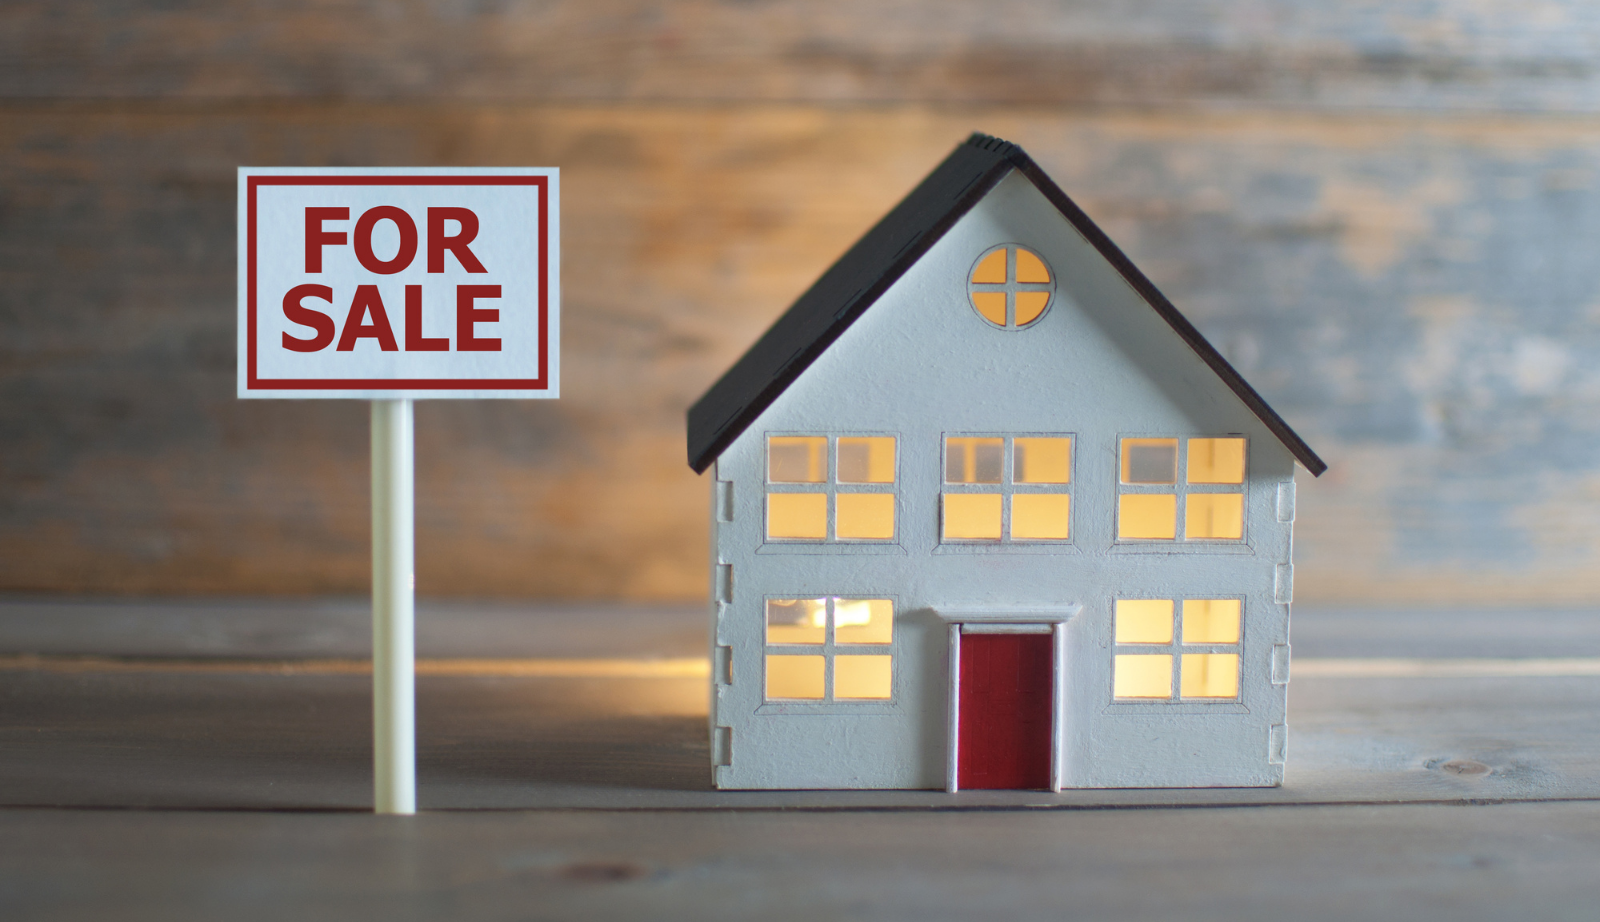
830, 649
1152, 499
1010, 287
1200, 659
1007, 489
830, 489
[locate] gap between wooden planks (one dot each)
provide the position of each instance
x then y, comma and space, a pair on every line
695, 668
680, 668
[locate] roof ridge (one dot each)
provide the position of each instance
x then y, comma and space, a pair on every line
989, 142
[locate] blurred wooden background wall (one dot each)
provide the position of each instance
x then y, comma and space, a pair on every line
1387, 214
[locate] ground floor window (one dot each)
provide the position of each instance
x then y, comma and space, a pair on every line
829, 649
1157, 652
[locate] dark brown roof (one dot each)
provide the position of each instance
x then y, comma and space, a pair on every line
878, 259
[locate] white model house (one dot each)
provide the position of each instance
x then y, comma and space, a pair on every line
988, 512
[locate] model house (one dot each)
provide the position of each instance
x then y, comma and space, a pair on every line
988, 512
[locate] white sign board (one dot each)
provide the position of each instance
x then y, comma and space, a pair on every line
399, 283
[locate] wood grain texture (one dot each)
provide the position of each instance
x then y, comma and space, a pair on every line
1422, 799
1319, 864
1492, 54
205, 740
212, 732
1415, 295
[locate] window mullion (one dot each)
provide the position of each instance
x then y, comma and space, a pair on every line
1011, 288
828, 650
1007, 459
1179, 484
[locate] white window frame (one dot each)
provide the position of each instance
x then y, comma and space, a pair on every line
830, 486
1176, 648
1181, 488
1007, 487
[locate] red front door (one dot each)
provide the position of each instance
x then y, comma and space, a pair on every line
1003, 734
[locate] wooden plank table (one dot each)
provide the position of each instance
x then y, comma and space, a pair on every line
241, 733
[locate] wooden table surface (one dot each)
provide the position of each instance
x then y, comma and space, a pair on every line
167, 760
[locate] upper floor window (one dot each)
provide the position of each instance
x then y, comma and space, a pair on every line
831, 488
1154, 502
1010, 286
1007, 489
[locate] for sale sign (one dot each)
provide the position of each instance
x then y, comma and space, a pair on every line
399, 283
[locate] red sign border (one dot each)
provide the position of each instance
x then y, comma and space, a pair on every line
541, 383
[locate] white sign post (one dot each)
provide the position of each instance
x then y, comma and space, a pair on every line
393, 285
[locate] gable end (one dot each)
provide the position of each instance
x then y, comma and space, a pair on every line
881, 257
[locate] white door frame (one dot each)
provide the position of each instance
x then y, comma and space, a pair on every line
1050, 620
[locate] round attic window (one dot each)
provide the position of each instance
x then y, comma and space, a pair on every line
1010, 286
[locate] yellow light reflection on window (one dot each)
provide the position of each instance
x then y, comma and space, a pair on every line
794, 676
1210, 675
1214, 515
1216, 461
866, 459
991, 305
1144, 621
797, 459
862, 677
797, 515
991, 270
863, 621
1040, 516
1142, 675
1149, 460
972, 460
1030, 304
1041, 460
1211, 620
864, 516
1030, 269
1013, 278
1147, 515
972, 516
796, 620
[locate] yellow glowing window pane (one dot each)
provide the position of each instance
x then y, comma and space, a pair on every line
863, 621
866, 460
1216, 460
864, 516
1030, 304
1214, 515
1031, 270
1040, 516
992, 305
862, 677
1144, 621
796, 620
1141, 675
1040, 460
797, 459
991, 270
1149, 460
972, 516
794, 676
1210, 621
1147, 515
972, 460
1210, 675
797, 515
